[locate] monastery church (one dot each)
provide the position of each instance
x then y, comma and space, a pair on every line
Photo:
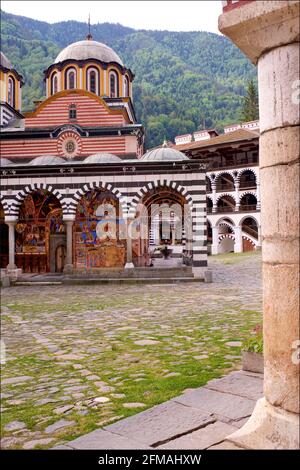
78, 193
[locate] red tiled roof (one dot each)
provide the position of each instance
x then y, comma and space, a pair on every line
230, 137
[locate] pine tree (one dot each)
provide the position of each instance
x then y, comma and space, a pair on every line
250, 103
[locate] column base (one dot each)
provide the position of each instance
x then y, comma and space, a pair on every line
214, 249
269, 427
129, 266
68, 269
11, 267
12, 272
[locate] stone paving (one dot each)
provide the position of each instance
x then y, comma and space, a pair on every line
199, 419
78, 358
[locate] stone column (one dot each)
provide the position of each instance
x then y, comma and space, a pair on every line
129, 264
268, 33
11, 243
258, 247
215, 241
199, 236
237, 195
238, 240
69, 259
214, 197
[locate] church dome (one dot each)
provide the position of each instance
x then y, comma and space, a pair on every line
4, 62
46, 160
5, 162
164, 154
102, 158
88, 49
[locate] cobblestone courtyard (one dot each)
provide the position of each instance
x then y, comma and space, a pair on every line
80, 357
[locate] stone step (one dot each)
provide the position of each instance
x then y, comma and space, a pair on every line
137, 273
37, 283
148, 280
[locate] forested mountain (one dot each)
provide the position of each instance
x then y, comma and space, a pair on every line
183, 80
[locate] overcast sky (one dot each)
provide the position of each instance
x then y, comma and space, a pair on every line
170, 15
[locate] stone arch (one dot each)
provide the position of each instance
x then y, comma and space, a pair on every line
21, 195
220, 195
248, 217
151, 186
85, 188
153, 207
249, 206
226, 235
226, 242
224, 173
249, 240
243, 170
222, 220
253, 193
250, 229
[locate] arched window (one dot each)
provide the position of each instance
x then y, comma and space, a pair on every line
11, 92
93, 81
54, 84
72, 111
70, 81
126, 86
113, 85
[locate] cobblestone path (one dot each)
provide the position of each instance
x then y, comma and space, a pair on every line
81, 357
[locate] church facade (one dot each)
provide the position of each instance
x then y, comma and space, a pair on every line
78, 193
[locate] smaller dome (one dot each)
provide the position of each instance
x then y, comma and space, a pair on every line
4, 62
102, 158
46, 160
164, 154
5, 162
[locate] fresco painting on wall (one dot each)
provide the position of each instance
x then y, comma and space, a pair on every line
40, 217
97, 231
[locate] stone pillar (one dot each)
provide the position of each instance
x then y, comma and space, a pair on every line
11, 244
129, 264
237, 195
69, 259
215, 241
258, 237
197, 228
214, 197
267, 32
238, 240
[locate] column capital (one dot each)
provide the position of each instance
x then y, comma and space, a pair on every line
10, 219
68, 218
258, 27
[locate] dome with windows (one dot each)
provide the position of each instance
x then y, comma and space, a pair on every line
164, 154
91, 66
88, 49
46, 160
102, 158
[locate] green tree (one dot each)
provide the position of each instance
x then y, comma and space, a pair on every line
250, 103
